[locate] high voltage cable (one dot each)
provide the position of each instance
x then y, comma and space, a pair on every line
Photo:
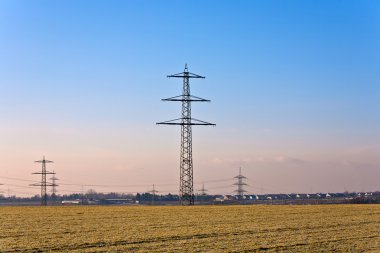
104, 185
17, 179
21, 186
147, 185
64, 190
28, 193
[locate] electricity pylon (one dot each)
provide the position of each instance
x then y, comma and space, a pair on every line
202, 192
240, 184
43, 182
153, 191
54, 187
186, 121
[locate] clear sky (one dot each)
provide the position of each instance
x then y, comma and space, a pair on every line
294, 87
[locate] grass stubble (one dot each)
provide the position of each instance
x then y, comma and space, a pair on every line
309, 228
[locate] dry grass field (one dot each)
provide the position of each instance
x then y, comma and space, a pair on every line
329, 228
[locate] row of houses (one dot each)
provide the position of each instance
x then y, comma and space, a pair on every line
298, 196
231, 199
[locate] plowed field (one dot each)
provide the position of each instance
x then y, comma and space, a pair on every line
338, 228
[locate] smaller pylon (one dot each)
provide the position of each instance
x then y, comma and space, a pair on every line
202, 193
203, 190
153, 191
54, 187
43, 182
240, 184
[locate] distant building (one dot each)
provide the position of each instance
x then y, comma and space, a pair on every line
70, 202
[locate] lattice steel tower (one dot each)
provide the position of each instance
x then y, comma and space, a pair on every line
240, 184
153, 191
43, 182
54, 185
203, 193
186, 121
203, 190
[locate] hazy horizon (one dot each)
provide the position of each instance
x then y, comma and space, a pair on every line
294, 90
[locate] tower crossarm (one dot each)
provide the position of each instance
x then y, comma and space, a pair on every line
186, 75
43, 161
43, 184
240, 176
182, 98
240, 183
186, 122
47, 172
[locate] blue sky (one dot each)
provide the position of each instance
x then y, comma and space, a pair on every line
293, 84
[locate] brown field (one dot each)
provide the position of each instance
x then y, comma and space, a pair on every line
328, 228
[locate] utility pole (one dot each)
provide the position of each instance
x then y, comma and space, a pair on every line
153, 191
240, 184
186, 121
43, 182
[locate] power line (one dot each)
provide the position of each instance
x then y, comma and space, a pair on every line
17, 179
117, 185
20, 192
215, 181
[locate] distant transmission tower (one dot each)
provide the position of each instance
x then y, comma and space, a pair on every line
43, 182
54, 185
186, 121
202, 192
153, 191
240, 184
